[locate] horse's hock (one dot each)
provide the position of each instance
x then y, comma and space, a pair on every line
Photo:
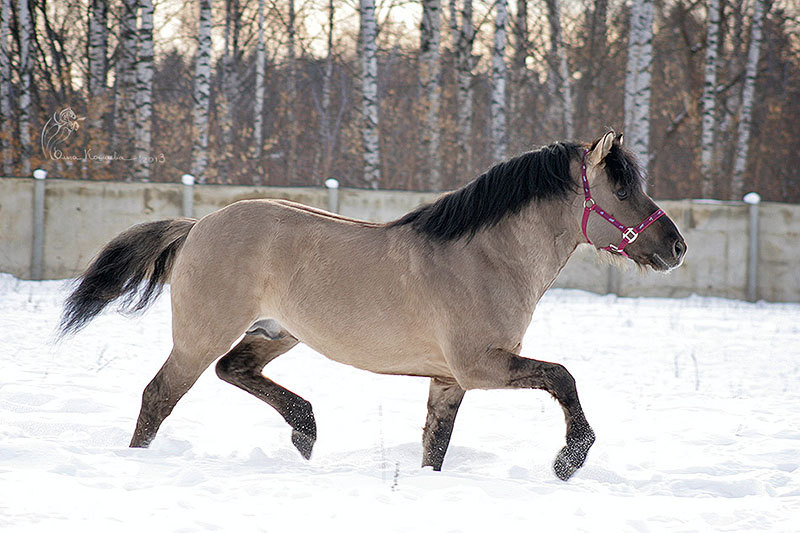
80, 216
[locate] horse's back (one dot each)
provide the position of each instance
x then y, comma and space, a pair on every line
340, 285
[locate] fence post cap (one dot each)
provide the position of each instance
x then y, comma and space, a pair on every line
39, 174
752, 198
187, 179
332, 183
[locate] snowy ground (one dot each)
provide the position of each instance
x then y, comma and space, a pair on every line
695, 402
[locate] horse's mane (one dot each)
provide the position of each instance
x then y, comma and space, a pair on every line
506, 188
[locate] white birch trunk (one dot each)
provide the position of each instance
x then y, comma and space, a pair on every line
202, 90
25, 64
708, 100
463, 38
144, 92
125, 75
748, 92
6, 124
497, 98
369, 90
430, 76
258, 105
562, 74
637, 81
98, 43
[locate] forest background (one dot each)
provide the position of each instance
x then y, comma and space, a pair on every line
400, 95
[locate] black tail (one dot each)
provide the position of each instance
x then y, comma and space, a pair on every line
135, 264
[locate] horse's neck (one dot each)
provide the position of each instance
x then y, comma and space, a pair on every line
539, 239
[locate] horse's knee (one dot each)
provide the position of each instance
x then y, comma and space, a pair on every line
561, 378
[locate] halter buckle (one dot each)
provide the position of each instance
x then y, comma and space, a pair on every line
588, 203
630, 234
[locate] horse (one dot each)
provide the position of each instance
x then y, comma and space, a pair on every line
445, 292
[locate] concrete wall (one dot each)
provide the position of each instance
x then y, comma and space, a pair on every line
81, 216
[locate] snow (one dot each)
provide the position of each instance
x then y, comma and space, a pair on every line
695, 402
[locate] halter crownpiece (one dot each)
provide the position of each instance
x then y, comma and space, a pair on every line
629, 234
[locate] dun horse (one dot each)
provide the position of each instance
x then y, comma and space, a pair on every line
445, 292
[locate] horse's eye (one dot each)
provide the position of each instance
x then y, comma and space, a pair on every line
622, 194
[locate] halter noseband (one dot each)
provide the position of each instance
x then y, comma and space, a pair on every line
629, 234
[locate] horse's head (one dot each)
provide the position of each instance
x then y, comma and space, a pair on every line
617, 215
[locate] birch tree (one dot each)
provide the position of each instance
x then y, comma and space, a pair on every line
708, 99
97, 46
258, 105
463, 34
430, 83
637, 80
560, 67
202, 89
144, 91
125, 74
497, 98
25, 67
6, 132
748, 92
369, 94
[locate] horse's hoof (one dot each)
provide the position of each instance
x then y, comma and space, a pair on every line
572, 456
564, 466
304, 443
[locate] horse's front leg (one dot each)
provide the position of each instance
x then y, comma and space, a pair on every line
502, 369
444, 400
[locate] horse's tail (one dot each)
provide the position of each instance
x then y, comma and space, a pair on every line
134, 265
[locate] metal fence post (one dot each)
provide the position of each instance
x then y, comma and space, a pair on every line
188, 195
37, 255
753, 199
332, 184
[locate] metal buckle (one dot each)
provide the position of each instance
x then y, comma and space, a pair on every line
630, 234
588, 205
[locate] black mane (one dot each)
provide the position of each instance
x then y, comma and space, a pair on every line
504, 189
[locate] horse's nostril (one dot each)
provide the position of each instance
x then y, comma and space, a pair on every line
680, 248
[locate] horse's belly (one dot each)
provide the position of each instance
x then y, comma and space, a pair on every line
385, 354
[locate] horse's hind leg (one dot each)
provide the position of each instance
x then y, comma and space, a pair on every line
444, 400
242, 367
175, 377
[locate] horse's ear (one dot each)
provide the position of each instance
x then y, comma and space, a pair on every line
619, 139
601, 148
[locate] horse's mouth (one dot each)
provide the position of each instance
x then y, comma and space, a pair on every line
656, 262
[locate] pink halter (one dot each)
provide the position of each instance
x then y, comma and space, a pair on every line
628, 234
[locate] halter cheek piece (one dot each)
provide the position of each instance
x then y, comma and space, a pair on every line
628, 234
